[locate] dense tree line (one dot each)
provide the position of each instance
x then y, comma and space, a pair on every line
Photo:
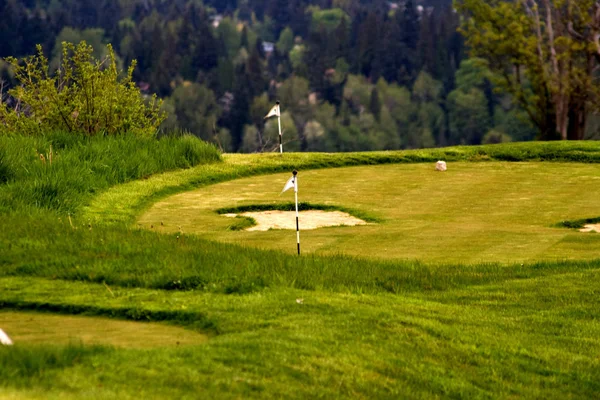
350, 74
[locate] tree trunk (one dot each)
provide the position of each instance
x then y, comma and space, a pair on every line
559, 77
577, 120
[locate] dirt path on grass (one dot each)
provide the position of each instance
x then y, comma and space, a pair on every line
312, 219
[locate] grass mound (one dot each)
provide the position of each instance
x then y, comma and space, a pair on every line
61, 171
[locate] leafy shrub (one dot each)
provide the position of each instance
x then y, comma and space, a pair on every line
84, 95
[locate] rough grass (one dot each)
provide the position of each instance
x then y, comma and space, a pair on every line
138, 258
22, 366
61, 171
528, 338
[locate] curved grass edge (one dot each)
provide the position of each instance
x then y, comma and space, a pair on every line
121, 204
578, 223
186, 319
302, 206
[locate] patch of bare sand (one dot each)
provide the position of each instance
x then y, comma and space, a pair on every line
311, 219
591, 228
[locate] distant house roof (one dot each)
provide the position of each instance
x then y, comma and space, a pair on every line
216, 20
268, 47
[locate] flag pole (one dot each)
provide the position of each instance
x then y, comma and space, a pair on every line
279, 123
296, 195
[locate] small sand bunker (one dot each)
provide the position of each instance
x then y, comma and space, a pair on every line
312, 219
591, 228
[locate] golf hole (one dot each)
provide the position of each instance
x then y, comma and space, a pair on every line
309, 219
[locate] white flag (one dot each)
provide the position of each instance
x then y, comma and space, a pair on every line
290, 184
274, 111
4, 339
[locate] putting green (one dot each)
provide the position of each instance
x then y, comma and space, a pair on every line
474, 212
29, 327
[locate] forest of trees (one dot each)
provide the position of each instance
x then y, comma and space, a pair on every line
350, 74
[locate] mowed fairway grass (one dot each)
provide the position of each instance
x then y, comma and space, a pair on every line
462, 289
474, 212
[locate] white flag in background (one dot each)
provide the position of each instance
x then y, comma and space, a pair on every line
4, 339
274, 112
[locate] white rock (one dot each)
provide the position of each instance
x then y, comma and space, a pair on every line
440, 166
4, 339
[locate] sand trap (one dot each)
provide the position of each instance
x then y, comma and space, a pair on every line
591, 228
312, 219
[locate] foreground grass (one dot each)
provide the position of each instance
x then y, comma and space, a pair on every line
533, 338
294, 327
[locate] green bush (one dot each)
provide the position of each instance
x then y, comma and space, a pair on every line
84, 95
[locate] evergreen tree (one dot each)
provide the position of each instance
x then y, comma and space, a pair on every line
279, 10
375, 104
10, 26
255, 74
239, 114
368, 41
206, 50
392, 52
409, 26
315, 59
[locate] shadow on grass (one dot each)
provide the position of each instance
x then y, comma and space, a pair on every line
578, 223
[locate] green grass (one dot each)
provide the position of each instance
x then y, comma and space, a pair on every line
473, 213
315, 326
532, 338
138, 258
22, 366
124, 203
42, 328
61, 171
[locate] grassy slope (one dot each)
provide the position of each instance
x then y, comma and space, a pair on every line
478, 332
535, 338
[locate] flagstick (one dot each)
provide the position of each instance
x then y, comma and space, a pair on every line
296, 195
279, 123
